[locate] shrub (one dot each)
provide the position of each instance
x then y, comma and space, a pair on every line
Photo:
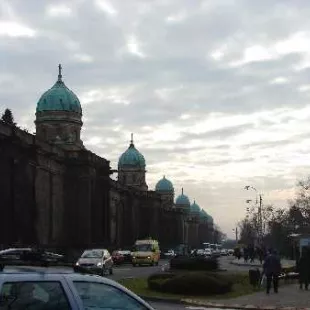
194, 263
191, 283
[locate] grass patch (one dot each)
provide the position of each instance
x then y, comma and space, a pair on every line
240, 287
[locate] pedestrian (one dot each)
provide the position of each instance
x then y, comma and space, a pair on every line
272, 268
303, 268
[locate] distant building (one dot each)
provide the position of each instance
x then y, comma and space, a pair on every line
56, 193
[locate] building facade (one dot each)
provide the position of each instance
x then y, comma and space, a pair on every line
56, 193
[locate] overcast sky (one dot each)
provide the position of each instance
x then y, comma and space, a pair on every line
216, 92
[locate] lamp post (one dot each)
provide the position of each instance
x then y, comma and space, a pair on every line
235, 230
259, 202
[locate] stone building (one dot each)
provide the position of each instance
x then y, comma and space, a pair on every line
56, 193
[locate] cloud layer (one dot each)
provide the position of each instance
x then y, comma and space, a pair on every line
216, 92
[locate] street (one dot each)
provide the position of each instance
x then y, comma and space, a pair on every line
128, 271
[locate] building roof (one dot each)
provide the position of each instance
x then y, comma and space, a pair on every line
59, 98
195, 208
131, 157
164, 185
183, 200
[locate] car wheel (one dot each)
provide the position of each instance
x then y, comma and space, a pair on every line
134, 265
157, 263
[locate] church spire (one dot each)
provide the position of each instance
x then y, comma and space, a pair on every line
59, 73
131, 140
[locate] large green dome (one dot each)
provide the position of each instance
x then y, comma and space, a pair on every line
131, 158
59, 98
195, 208
164, 185
183, 200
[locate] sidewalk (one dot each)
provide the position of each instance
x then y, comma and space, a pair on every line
289, 296
256, 263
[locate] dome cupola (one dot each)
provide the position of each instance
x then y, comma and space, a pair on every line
164, 185
59, 98
182, 201
195, 209
59, 116
131, 168
131, 158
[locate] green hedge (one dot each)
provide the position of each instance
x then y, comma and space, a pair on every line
194, 263
191, 283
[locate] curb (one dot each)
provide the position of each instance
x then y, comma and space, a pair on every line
241, 307
206, 304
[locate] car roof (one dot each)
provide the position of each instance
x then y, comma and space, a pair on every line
34, 273
14, 249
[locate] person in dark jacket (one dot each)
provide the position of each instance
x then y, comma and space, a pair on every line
272, 268
303, 268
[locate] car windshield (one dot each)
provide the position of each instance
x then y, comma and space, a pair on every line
143, 247
92, 254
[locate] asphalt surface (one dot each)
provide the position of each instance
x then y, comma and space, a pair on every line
128, 271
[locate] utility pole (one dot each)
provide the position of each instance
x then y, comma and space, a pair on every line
259, 213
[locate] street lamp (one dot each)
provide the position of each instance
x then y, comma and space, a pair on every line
235, 230
260, 207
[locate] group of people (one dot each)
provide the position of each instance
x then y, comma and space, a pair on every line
272, 267
249, 253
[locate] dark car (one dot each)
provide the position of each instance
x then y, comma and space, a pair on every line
97, 260
29, 254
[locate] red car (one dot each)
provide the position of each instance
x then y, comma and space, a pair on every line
120, 257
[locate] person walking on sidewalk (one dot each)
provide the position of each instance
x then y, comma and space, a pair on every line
303, 268
272, 268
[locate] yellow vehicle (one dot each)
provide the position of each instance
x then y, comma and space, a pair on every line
146, 252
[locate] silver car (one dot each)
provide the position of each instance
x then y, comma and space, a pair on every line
62, 289
97, 260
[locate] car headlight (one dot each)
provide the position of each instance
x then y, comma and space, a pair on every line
134, 257
77, 264
99, 264
148, 257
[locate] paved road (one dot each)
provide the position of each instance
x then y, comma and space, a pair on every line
128, 271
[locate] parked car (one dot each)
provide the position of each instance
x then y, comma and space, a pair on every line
121, 256
169, 254
208, 252
96, 260
29, 254
224, 252
63, 289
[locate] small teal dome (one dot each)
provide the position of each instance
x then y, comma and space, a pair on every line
131, 158
59, 98
195, 208
183, 200
164, 185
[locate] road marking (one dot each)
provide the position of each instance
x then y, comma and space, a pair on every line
122, 269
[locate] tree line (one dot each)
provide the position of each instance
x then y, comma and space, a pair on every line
280, 226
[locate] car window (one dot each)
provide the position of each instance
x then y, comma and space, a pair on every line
33, 295
102, 296
93, 254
